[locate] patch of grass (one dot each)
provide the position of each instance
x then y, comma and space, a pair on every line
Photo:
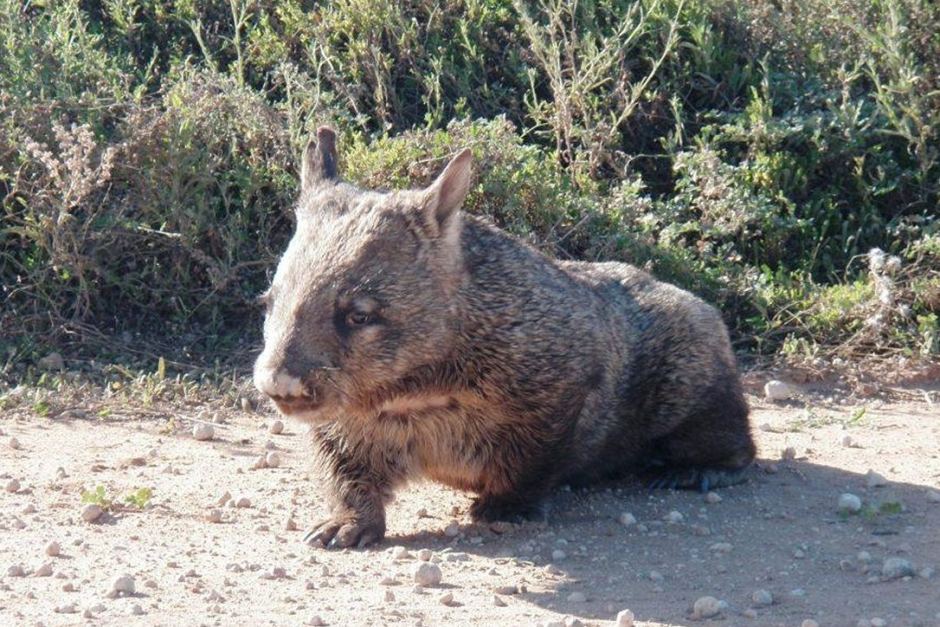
888, 508
98, 497
139, 498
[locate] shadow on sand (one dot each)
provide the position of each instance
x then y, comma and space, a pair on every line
779, 531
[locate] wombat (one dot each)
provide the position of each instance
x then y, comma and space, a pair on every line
423, 342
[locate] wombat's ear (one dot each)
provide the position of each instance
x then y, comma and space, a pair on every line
319, 161
447, 193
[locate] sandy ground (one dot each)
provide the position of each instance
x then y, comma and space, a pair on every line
780, 532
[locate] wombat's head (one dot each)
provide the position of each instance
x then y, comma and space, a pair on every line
364, 293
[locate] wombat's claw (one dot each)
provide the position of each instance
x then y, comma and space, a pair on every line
343, 534
701, 479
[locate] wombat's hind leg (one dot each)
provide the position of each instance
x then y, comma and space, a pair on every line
511, 508
702, 478
709, 450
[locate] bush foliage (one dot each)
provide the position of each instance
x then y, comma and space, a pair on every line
780, 158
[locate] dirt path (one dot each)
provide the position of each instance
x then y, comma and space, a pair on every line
781, 532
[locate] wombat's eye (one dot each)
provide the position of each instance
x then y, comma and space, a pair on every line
359, 318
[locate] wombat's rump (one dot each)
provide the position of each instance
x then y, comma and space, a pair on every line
423, 342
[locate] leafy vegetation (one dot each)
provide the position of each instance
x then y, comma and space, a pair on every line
98, 497
139, 498
782, 159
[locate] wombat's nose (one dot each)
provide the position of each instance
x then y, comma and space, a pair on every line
279, 384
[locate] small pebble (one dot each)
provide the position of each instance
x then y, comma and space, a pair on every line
68, 608
425, 555
878, 622
625, 618
506, 590
896, 567
13, 486
706, 607
762, 598
16, 570
674, 517
498, 601
427, 574
749, 613
788, 454
203, 431
655, 575
626, 519
577, 597
91, 512
874, 480
849, 504
123, 585
316, 621
272, 459
53, 549
777, 391
558, 555
933, 496
44, 571
809, 622
260, 463
214, 516
243, 501
712, 498
447, 598
136, 610
452, 529
277, 427
863, 556
14, 444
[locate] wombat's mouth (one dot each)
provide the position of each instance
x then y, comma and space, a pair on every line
297, 405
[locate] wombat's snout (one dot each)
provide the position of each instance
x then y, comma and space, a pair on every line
290, 392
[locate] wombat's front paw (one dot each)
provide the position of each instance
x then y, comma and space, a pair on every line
489, 508
344, 531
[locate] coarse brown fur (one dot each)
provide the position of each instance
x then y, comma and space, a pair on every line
421, 342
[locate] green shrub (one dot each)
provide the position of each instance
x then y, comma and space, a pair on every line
754, 152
